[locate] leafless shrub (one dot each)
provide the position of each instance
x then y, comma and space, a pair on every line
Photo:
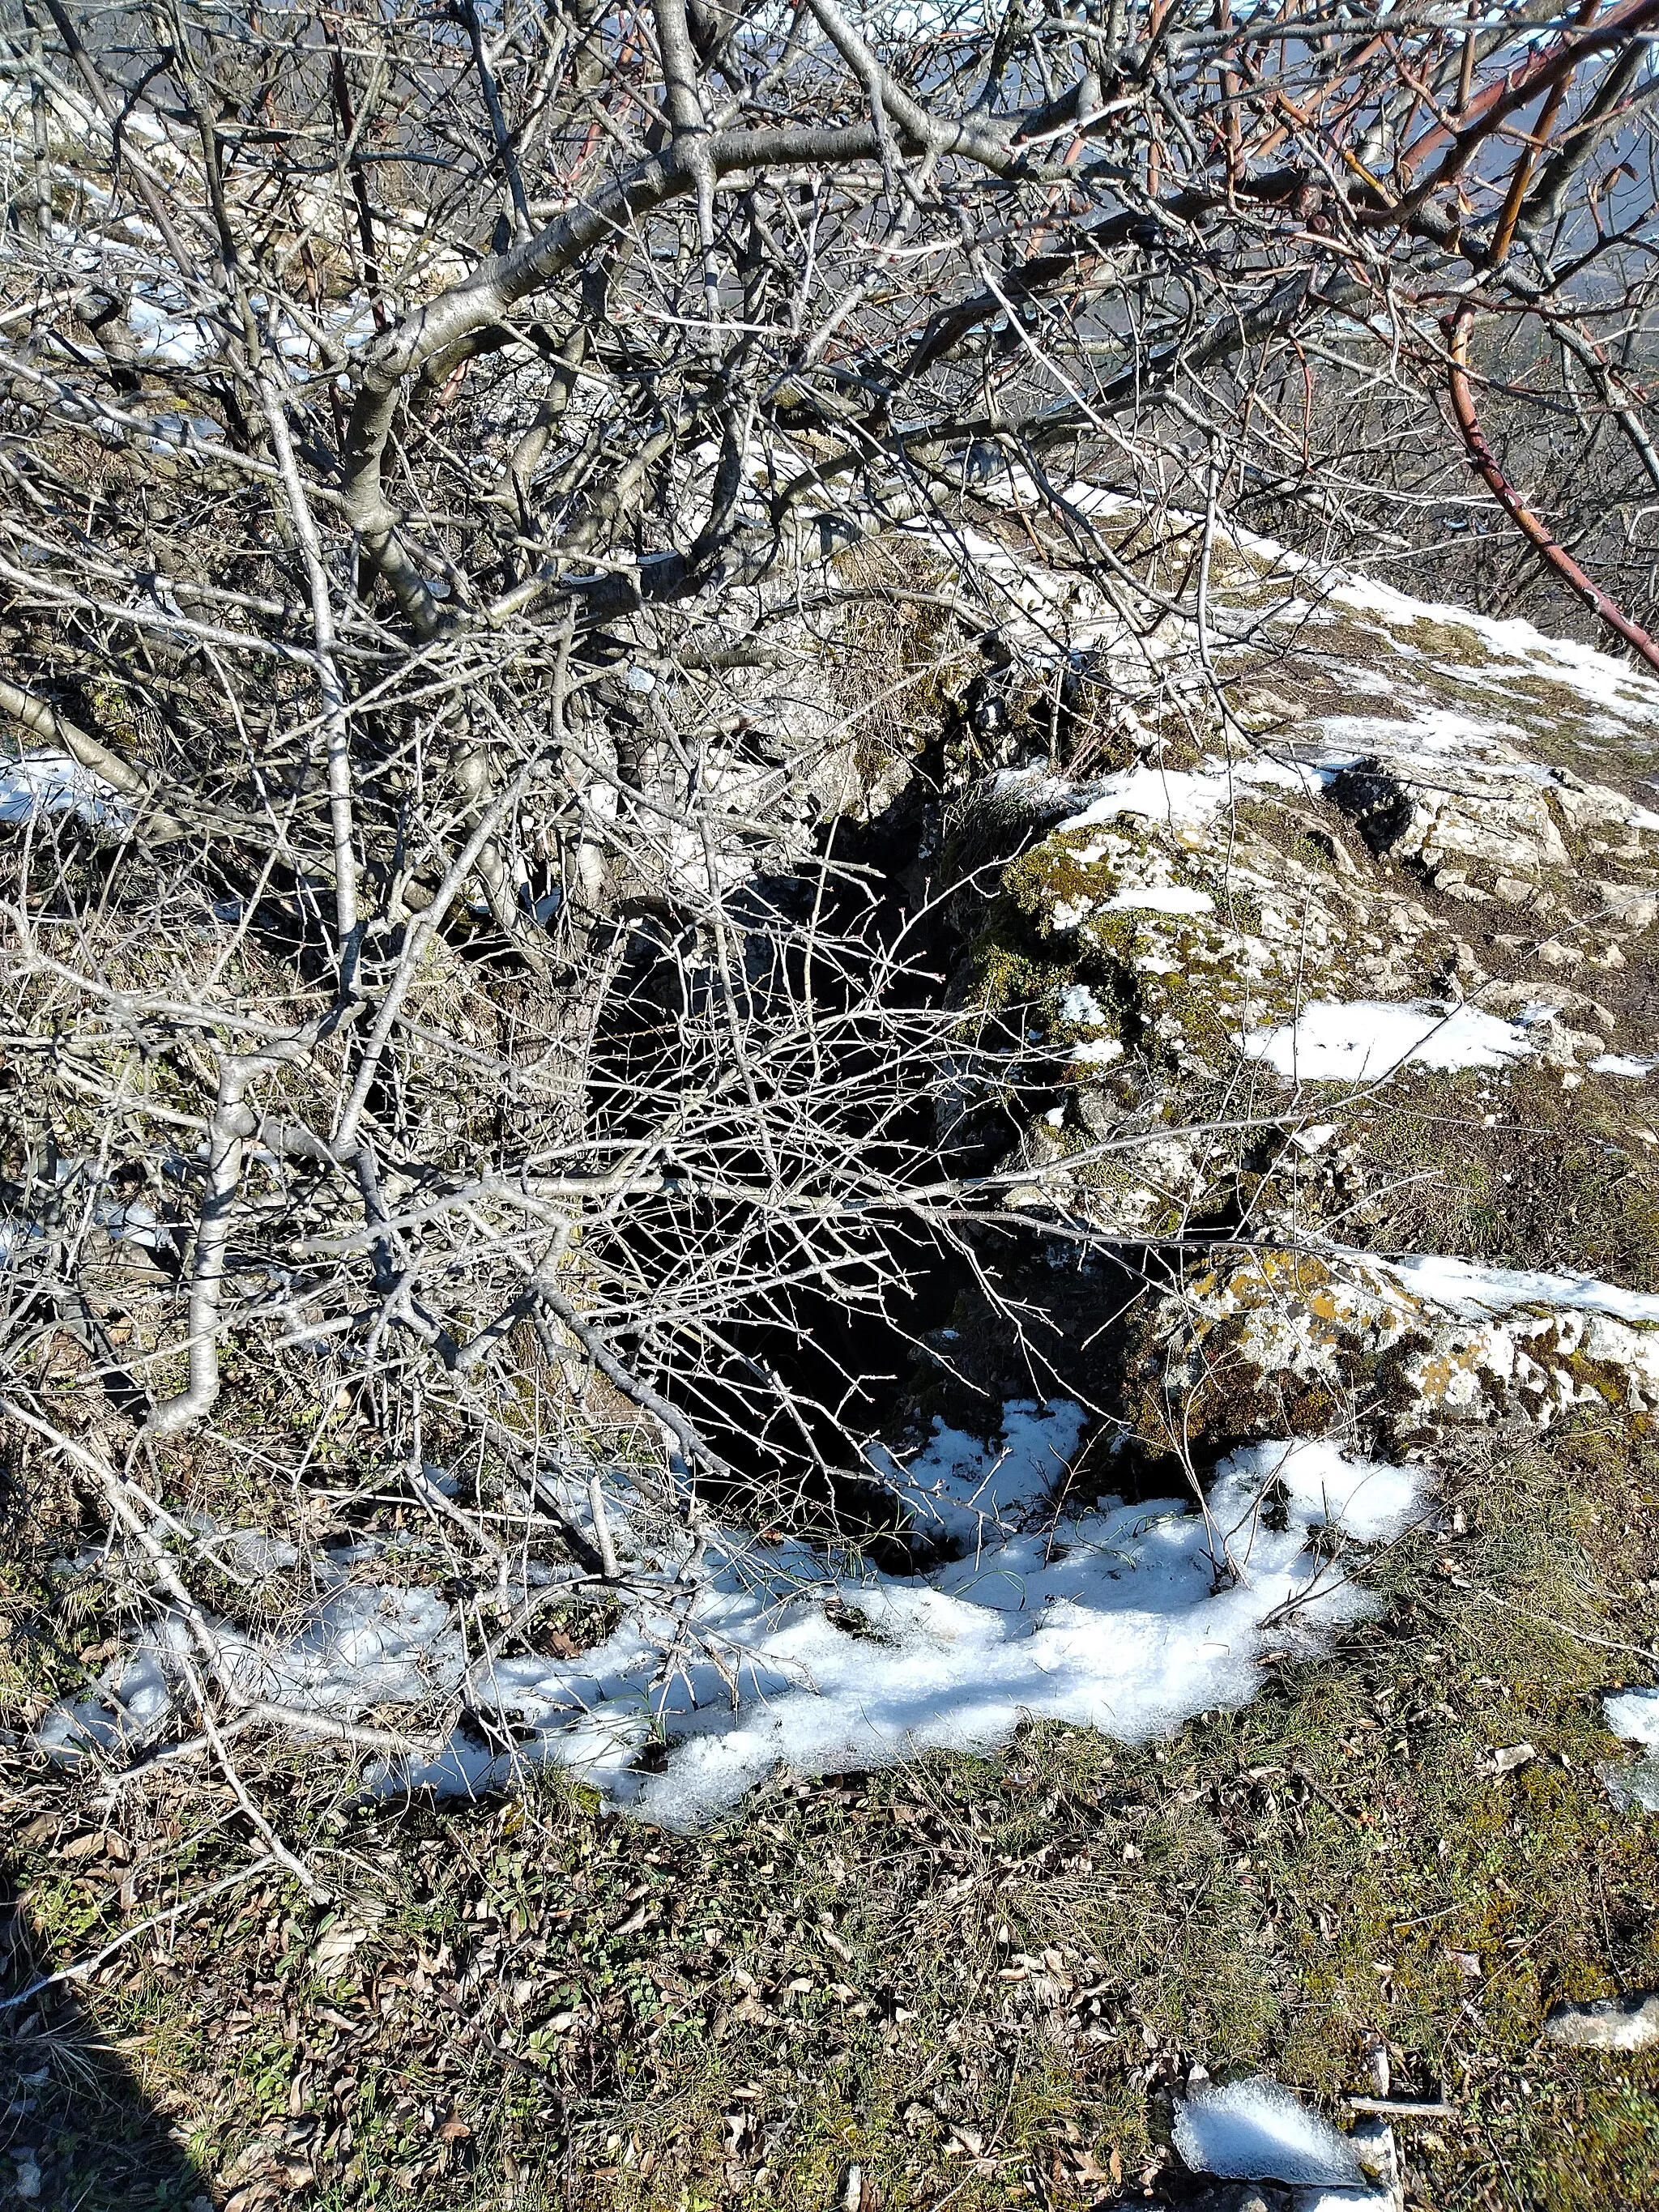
486, 492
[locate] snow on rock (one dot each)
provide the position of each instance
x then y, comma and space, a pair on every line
1028, 1602
1463, 1287
1329, 1041
1160, 899
1379, 862
1185, 801
1256, 2131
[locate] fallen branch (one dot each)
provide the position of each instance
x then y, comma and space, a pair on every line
84, 1967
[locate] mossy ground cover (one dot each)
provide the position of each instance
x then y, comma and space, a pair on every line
1513, 1167
978, 1980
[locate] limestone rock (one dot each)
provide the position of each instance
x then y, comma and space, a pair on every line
1300, 1335
1607, 2023
1635, 905
1444, 817
1587, 807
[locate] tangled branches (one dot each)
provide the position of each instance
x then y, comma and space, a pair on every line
509, 514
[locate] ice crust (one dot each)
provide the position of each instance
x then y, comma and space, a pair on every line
1634, 1715
1256, 2131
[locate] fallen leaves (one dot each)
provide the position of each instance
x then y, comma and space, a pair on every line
335, 1946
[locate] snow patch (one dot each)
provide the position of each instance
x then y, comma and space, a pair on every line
1332, 1040
1031, 1599
1325, 1487
55, 783
1078, 1003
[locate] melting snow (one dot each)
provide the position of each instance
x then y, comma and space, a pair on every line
1428, 729
1038, 1604
1621, 1063
1334, 1042
1257, 2131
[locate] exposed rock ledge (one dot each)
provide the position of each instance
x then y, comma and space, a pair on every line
1342, 1338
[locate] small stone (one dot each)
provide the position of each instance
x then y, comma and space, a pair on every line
1629, 2023
1454, 882
1514, 890
1234, 2197
1512, 1757
1633, 904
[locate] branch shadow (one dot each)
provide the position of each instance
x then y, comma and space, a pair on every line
78, 2130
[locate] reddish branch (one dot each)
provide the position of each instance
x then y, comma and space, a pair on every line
1537, 532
